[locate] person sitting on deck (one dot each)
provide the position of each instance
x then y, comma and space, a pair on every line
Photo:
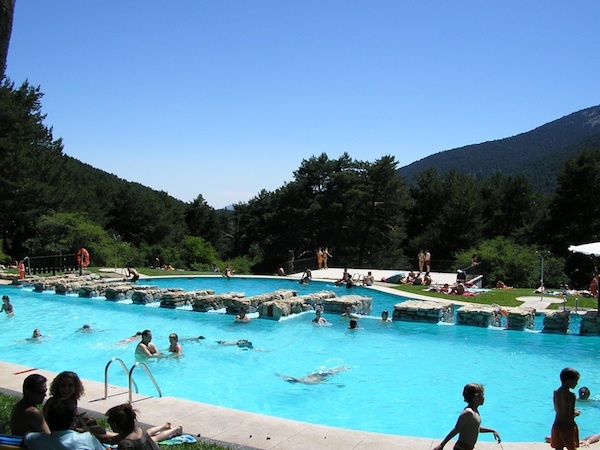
369, 279
62, 415
409, 278
122, 420
25, 416
427, 279
306, 276
134, 274
342, 280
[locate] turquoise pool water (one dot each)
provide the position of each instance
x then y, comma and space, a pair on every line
404, 378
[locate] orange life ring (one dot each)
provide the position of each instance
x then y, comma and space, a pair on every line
83, 257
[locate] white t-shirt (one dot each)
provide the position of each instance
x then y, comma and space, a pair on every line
62, 440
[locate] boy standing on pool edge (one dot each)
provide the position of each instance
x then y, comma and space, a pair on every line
565, 434
468, 426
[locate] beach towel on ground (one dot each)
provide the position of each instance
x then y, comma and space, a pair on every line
183, 439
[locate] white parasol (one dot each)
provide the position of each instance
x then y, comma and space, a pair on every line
593, 248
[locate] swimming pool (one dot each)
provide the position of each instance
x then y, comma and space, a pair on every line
404, 378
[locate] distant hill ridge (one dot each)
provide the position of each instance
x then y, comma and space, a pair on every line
538, 154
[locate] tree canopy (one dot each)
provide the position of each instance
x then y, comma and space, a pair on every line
362, 211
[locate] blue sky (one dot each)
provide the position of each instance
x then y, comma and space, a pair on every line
226, 98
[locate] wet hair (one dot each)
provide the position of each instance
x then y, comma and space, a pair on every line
61, 414
568, 373
353, 323
77, 385
123, 416
471, 390
33, 381
174, 335
146, 333
584, 393
385, 313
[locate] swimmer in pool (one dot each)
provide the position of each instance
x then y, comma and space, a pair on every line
241, 343
353, 325
317, 377
174, 346
242, 317
36, 334
584, 393
136, 337
348, 314
318, 319
7, 306
195, 338
385, 317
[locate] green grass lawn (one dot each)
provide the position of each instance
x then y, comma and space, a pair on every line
502, 297
7, 402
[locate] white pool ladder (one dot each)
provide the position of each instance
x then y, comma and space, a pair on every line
129, 373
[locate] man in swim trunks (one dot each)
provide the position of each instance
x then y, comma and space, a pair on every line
146, 347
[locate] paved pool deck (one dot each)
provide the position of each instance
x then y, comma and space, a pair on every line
243, 430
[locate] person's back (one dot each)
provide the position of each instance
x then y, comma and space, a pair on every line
61, 420
122, 419
25, 416
565, 434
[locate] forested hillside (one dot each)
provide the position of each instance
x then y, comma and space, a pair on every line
538, 154
362, 211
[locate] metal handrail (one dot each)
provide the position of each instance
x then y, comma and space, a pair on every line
124, 370
142, 364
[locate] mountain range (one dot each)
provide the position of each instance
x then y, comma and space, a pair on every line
538, 154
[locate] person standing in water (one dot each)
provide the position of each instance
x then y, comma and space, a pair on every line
7, 306
147, 347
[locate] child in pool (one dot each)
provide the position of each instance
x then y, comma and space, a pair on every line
468, 426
